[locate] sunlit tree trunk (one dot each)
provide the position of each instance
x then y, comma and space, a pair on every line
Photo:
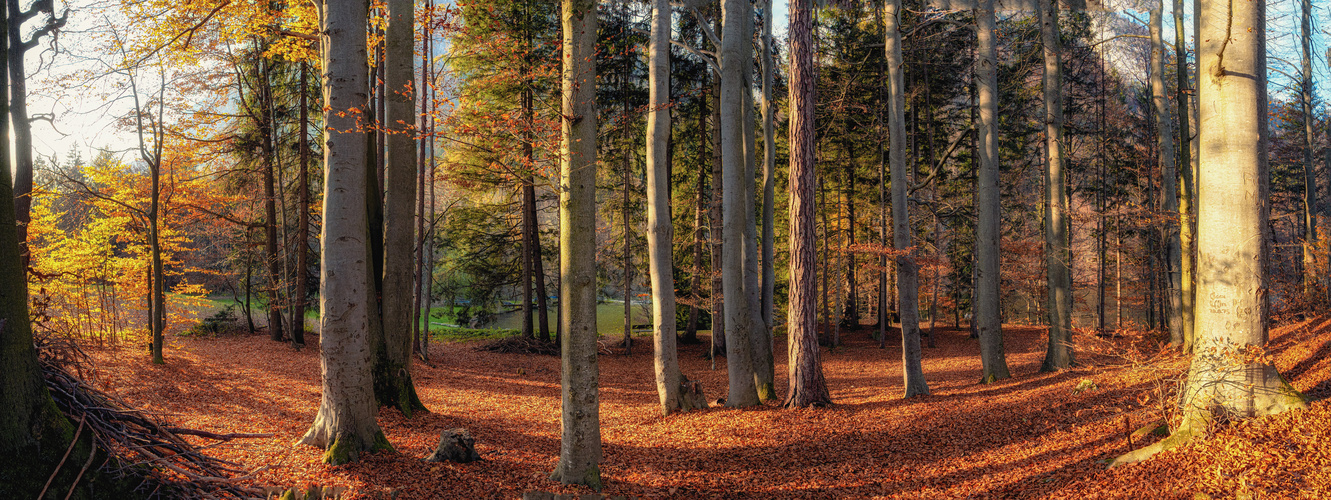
1059, 354
659, 227
739, 328
580, 442
986, 305
1166, 157
907, 269
1310, 277
1187, 242
1228, 377
345, 425
806, 387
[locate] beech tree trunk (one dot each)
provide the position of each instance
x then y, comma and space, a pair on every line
302, 216
1166, 157
1187, 228
393, 382
769, 175
806, 385
1225, 380
1059, 354
715, 229
660, 230
986, 305
760, 335
735, 63
345, 425
907, 270
580, 442
1310, 277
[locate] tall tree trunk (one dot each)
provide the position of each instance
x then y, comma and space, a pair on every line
421, 303
907, 269
580, 442
715, 229
302, 216
806, 385
986, 315
696, 279
393, 382
769, 174
1309, 277
735, 63
271, 257
1166, 156
1059, 354
345, 425
1232, 241
1187, 241
760, 333
660, 230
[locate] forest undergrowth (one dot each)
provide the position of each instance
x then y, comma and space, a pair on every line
1037, 435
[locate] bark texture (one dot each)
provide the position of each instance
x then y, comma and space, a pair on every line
580, 443
908, 270
806, 386
345, 425
1186, 232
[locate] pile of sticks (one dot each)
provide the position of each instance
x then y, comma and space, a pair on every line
136, 444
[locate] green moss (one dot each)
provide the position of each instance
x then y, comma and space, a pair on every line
766, 392
381, 443
593, 477
340, 451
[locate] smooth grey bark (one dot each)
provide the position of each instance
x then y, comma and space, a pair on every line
807, 386
769, 172
393, 382
660, 230
987, 318
1187, 240
1310, 277
1059, 354
1169, 185
739, 318
907, 269
715, 228
1224, 382
345, 425
760, 333
580, 441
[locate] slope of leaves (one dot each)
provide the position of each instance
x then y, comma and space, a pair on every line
1034, 436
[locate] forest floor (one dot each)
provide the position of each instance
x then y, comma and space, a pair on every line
1036, 435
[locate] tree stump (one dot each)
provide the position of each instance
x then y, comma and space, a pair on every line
455, 445
690, 394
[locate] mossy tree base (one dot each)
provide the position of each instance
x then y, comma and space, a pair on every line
25, 472
345, 448
589, 476
393, 387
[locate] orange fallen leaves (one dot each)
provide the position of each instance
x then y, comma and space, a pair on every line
1027, 437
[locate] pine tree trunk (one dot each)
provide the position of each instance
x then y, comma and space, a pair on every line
271, 257
345, 425
1224, 382
580, 442
1059, 354
907, 269
739, 317
660, 230
806, 386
